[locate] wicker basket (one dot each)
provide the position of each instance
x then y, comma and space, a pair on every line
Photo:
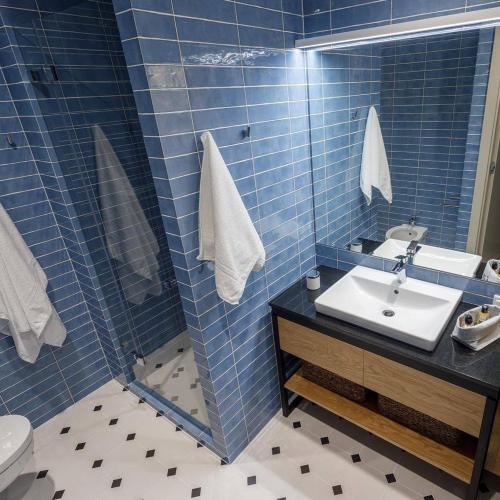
333, 382
419, 422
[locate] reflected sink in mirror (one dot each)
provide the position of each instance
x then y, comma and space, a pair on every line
441, 259
414, 312
406, 232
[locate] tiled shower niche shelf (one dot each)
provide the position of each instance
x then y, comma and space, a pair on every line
457, 462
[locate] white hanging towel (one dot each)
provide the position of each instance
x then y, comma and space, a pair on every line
26, 313
227, 235
374, 165
129, 237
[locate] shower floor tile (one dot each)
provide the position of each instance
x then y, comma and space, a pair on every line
299, 458
172, 372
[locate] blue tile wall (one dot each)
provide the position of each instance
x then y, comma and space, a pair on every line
322, 17
430, 96
342, 87
60, 376
52, 170
426, 94
223, 68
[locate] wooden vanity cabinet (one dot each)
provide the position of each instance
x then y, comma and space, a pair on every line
471, 412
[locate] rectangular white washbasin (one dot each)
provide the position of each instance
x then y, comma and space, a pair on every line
441, 259
415, 312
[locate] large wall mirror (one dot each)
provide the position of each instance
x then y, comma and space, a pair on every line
436, 100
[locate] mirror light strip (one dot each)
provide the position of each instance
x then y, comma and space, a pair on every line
422, 27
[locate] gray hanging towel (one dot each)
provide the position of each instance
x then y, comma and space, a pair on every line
129, 237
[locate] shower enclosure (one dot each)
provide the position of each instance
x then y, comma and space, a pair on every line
85, 135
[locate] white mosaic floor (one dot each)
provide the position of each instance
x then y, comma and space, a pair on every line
109, 446
172, 372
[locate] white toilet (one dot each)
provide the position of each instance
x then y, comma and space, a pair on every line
16, 447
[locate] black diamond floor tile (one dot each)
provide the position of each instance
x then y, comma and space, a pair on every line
195, 492
58, 494
276, 450
80, 446
42, 474
304, 469
391, 478
251, 480
172, 471
98, 408
355, 458
337, 490
428, 497
150, 453
131, 437
141, 401
65, 430
297, 424
325, 440
113, 421
158, 365
180, 350
116, 483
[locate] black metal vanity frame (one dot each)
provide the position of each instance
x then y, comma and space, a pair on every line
296, 305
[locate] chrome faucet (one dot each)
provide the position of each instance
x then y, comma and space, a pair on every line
400, 268
411, 250
412, 221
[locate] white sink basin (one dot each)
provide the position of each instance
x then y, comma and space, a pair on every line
414, 312
406, 232
442, 259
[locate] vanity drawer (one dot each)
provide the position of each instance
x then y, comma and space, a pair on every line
326, 352
447, 402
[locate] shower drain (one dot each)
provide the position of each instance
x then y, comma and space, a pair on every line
388, 313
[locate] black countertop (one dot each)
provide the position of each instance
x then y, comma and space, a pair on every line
478, 371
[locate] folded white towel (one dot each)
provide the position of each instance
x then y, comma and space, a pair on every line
481, 335
227, 235
489, 273
374, 165
26, 312
129, 237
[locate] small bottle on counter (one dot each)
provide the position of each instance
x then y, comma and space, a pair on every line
484, 314
469, 320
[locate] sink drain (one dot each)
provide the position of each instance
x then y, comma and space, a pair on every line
388, 313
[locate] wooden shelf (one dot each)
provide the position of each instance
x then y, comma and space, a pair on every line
453, 461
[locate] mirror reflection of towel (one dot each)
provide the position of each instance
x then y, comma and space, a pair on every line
129, 237
375, 171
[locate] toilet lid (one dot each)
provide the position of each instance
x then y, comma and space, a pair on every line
15, 436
